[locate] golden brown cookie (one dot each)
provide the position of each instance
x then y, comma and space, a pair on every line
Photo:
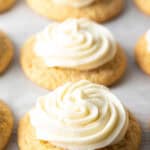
143, 5
50, 78
142, 55
100, 10
6, 4
6, 124
6, 52
27, 138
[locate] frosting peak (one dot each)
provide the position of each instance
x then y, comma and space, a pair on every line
75, 3
76, 43
80, 116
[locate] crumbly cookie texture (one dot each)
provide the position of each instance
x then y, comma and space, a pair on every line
6, 4
27, 139
6, 52
100, 10
6, 124
143, 5
142, 55
52, 77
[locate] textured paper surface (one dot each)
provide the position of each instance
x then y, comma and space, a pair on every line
21, 94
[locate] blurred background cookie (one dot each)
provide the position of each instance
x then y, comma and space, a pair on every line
97, 10
142, 52
6, 51
143, 5
6, 4
6, 124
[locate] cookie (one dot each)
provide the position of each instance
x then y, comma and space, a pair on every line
143, 5
50, 78
6, 52
5, 5
142, 53
99, 60
6, 124
27, 140
98, 10
51, 123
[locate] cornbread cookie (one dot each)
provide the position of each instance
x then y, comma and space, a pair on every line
6, 4
6, 51
99, 10
6, 124
72, 50
27, 139
50, 78
79, 115
143, 5
142, 54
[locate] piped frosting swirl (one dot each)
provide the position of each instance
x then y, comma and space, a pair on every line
76, 43
80, 116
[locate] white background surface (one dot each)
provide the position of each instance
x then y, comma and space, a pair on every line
133, 90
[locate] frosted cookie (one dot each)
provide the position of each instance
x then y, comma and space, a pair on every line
98, 10
143, 5
6, 4
79, 116
6, 124
73, 50
6, 52
142, 52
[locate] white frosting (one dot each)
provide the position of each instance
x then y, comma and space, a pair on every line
148, 39
76, 43
74, 3
80, 116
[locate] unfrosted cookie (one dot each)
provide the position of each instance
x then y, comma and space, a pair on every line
50, 71
6, 51
97, 10
37, 131
6, 124
143, 5
142, 52
6, 4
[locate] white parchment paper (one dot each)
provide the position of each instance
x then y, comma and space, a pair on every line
21, 94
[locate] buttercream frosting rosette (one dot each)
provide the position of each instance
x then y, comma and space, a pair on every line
76, 43
60, 10
142, 52
72, 50
79, 116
